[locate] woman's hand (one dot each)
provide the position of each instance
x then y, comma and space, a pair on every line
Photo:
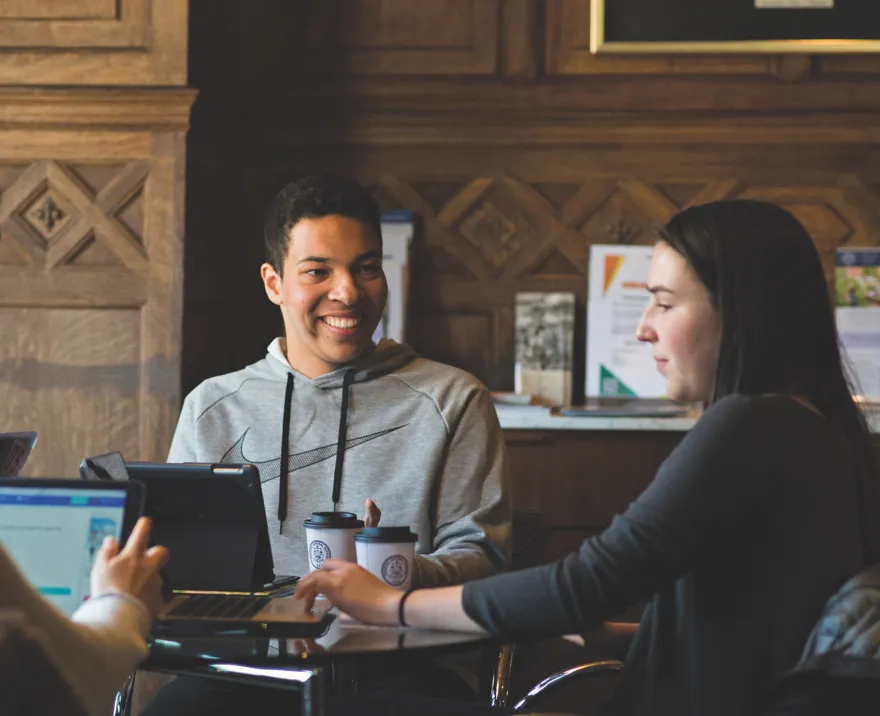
133, 570
352, 589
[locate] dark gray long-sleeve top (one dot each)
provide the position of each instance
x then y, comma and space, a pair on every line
746, 530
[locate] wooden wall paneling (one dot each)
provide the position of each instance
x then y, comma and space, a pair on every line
91, 282
568, 51
393, 37
497, 220
522, 39
78, 384
849, 64
162, 315
514, 175
581, 479
87, 24
487, 237
93, 42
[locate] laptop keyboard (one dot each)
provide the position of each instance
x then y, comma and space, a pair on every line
219, 606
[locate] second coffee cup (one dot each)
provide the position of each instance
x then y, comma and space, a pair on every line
387, 552
330, 535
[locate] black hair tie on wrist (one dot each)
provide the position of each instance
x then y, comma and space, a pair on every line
400, 604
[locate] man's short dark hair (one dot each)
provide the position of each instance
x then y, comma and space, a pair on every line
315, 197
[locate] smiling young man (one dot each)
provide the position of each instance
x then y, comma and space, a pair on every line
353, 421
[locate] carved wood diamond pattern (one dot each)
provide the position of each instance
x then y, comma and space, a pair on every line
48, 215
492, 233
25, 217
483, 238
617, 221
824, 211
502, 227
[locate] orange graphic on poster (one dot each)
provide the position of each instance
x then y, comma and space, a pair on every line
612, 266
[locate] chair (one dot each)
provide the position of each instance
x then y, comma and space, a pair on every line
528, 541
839, 669
838, 672
529, 538
565, 677
30, 683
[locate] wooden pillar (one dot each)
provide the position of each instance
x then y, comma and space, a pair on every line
94, 110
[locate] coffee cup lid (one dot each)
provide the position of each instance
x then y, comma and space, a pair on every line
333, 521
386, 534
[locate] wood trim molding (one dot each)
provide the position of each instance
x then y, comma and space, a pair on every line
521, 46
146, 45
594, 128
164, 109
561, 98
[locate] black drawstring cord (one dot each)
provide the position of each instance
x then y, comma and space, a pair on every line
285, 435
347, 380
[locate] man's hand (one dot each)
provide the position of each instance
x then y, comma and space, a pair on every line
372, 515
134, 570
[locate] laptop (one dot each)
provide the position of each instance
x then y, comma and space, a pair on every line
194, 504
53, 529
15, 449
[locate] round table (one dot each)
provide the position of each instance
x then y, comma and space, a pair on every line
313, 666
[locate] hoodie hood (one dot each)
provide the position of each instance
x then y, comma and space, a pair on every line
386, 358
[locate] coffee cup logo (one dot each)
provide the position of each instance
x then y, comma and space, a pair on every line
318, 552
395, 570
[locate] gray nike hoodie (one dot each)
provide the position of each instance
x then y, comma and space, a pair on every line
420, 438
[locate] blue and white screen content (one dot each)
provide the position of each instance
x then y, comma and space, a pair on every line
54, 534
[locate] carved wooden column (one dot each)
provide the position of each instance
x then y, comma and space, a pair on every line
91, 225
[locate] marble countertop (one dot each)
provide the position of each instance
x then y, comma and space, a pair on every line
543, 420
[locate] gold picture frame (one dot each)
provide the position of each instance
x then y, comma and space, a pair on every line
600, 45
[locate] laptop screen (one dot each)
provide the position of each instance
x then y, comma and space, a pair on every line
53, 534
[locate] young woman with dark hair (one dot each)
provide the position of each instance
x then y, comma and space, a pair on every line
764, 509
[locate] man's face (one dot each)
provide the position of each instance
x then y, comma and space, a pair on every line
331, 294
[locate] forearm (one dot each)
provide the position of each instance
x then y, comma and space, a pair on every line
455, 567
613, 639
114, 630
439, 609
95, 655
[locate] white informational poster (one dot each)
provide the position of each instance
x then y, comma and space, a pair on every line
857, 288
618, 365
397, 234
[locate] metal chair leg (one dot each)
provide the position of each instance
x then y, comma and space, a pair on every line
575, 673
122, 704
500, 688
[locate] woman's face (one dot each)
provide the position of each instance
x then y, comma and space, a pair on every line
682, 326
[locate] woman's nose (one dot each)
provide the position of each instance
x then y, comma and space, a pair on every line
644, 331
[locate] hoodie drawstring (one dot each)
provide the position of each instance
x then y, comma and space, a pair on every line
347, 380
282, 477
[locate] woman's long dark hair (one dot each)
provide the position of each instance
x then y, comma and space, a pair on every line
778, 333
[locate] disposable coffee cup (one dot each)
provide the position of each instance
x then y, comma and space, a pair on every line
330, 535
387, 552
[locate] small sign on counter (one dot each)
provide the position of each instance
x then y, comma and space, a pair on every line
857, 288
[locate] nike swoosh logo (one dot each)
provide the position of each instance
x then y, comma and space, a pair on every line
271, 469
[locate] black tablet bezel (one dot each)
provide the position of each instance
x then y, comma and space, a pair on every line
244, 475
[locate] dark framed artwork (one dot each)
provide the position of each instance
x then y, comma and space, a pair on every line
734, 26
